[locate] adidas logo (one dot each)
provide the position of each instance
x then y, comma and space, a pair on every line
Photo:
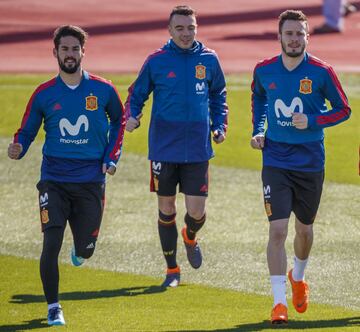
171, 75
204, 188
272, 86
57, 107
90, 246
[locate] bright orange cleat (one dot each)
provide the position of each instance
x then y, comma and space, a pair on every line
279, 314
300, 294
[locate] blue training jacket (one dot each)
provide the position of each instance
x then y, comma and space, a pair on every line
189, 101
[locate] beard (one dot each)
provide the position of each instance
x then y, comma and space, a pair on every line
69, 70
292, 54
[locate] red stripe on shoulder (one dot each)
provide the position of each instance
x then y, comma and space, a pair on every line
155, 54
40, 88
266, 62
313, 60
98, 78
47, 84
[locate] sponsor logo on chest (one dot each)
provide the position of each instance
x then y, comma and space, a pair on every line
67, 128
282, 110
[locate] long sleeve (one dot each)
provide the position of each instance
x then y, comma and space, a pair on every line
259, 106
139, 92
117, 119
217, 101
30, 123
340, 107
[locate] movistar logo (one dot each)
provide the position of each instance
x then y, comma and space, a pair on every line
43, 199
267, 190
281, 108
156, 167
286, 111
200, 87
71, 129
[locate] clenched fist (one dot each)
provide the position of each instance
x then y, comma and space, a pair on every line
14, 150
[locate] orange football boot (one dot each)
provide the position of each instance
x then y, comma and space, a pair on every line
279, 314
300, 294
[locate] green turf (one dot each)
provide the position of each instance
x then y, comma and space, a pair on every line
342, 142
95, 300
233, 239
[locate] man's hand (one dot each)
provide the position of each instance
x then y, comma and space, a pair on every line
14, 150
300, 120
218, 137
109, 169
257, 142
133, 123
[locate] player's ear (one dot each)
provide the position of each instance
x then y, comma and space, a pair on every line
55, 52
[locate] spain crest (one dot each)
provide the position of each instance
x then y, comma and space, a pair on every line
268, 209
91, 103
305, 86
44, 216
156, 184
200, 72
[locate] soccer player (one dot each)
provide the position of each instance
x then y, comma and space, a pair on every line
288, 93
189, 103
84, 123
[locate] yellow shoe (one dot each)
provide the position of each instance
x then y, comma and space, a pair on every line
279, 314
300, 294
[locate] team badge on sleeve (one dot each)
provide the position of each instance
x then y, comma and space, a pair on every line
200, 72
305, 86
268, 209
156, 183
44, 216
91, 103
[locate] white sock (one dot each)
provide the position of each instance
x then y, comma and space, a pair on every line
278, 286
54, 305
298, 272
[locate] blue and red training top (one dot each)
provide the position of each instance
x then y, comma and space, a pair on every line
278, 92
84, 128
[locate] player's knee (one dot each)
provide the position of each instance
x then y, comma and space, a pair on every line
278, 235
196, 214
305, 233
168, 208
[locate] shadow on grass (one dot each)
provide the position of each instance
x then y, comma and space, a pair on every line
27, 325
293, 325
132, 291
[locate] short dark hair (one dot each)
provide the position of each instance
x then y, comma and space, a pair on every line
69, 30
293, 15
182, 10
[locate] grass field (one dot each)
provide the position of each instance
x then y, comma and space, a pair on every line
117, 291
123, 302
